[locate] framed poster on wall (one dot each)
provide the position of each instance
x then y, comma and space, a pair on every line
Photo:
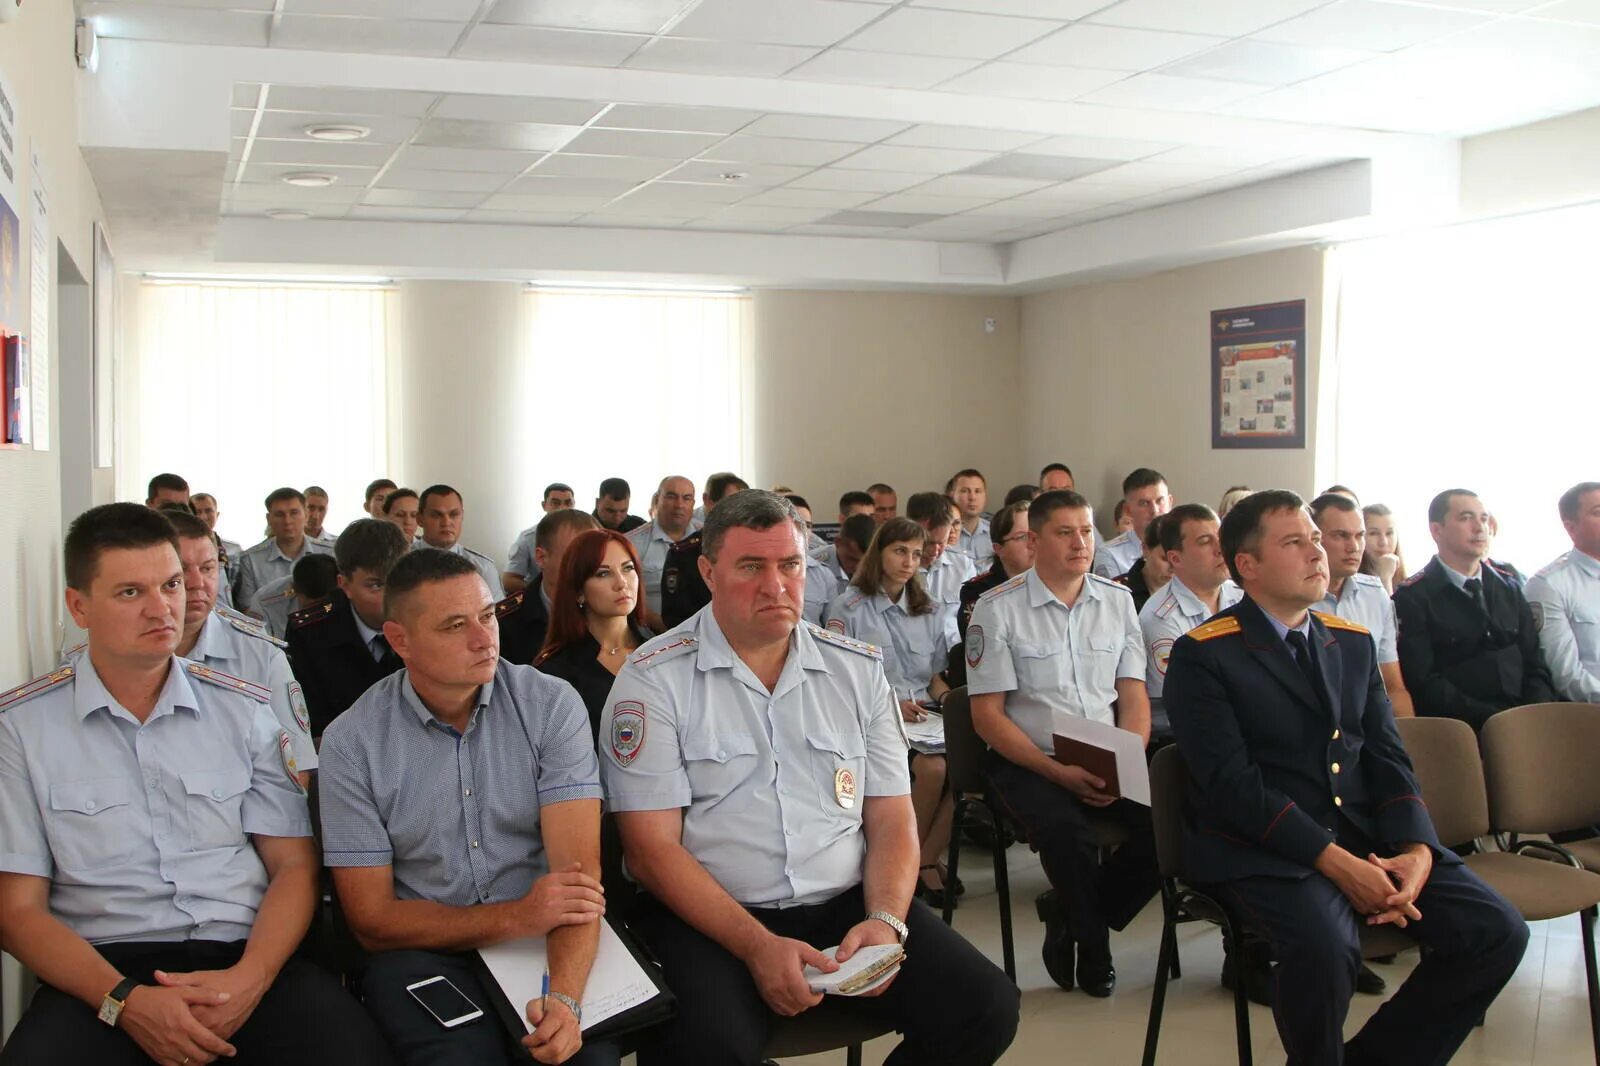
105, 351
1258, 376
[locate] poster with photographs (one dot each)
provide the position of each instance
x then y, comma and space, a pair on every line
1258, 376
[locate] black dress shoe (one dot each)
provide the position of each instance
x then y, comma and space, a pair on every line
1369, 983
1057, 940
933, 897
1096, 975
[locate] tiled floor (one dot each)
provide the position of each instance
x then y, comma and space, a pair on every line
1541, 1019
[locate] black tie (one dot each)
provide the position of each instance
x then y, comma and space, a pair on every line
1474, 588
1307, 663
380, 648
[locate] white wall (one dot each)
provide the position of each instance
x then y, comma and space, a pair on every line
36, 56
1545, 164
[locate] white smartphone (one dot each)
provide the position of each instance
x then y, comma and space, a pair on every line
448, 1004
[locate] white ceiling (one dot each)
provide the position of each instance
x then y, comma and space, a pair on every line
1060, 113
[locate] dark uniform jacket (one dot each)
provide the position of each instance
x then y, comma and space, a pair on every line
1273, 768
683, 590
1135, 581
579, 665
330, 660
1460, 660
523, 622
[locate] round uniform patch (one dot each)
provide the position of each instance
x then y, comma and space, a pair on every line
836, 624
1162, 650
974, 646
627, 731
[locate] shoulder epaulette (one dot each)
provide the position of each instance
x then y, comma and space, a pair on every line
259, 693
1367, 579
1333, 621
1110, 582
75, 649
1413, 579
257, 632
1004, 587
1166, 606
36, 687
1217, 627
978, 577
691, 543
238, 616
311, 613
839, 640
657, 656
510, 605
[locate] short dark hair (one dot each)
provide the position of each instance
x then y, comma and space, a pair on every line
1337, 490
796, 499
1119, 510
1142, 478
717, 485
613, 488
111, 527
855, 498
556, 486
1046, 503
165, 481
315, 575
930, 507
369, 544
1020, 494
880, 488
1439, 507
316, 490
425, 566
1004, 522
186, 524
1337, 501
285, 493
1170, 533
544, 534
1153, 532
374, 486
746, 509
175, 507
1052, 467
437, 490
193, 496
1241, 529
949, 486
858, 529
1572, 499
397, 495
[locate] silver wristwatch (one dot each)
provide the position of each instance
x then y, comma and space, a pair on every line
894, 923
572, 1004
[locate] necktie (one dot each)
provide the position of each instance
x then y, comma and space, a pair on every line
1308, 665
1474, 588
380, 648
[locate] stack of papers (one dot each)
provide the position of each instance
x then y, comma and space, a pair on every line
926, 736
867, 969
616, 980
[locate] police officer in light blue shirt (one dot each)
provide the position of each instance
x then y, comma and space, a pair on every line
1565, 599
441, 512
758, 771
943, 571
1145, 495
1198, 589
674, 505
275, 557
147, 812
821, 588
520, 562
971, 493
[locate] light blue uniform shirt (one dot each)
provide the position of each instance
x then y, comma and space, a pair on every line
482, 563
143, 830
1363, 600
1116, 556
821, 587
238, 648
1048, 657
652, 544
275, 602
264, 563
977, 545
519, 560
455, 814
1565, 600
915, 646
944, 579
771, 784
1168, 615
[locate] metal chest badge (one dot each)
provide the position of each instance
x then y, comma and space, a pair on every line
844, 787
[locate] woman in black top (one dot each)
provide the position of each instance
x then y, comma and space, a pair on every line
596, 617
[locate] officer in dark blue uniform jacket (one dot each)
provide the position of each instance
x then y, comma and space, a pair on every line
1305, 815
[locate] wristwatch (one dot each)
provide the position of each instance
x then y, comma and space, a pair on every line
572, 1005
894, 923
111, 1006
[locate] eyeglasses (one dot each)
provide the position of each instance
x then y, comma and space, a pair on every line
1014, 536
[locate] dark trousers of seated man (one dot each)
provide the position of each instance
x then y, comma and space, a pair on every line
417, 1037
1097, 896
305, 1018
1474, 940
952, 1005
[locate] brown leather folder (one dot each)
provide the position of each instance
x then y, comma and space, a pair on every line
1101, 762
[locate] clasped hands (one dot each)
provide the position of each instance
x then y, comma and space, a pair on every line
1384, 891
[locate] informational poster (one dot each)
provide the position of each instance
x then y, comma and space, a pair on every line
1258, 376
39, 244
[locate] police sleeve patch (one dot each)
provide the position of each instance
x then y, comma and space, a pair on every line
835, 624
974, 646
627, 731
1162, 651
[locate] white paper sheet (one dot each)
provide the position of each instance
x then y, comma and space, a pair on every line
616, 980
926, 736
1133, 773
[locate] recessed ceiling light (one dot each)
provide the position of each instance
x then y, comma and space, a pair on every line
338, 132
282, 214
733, 175
310, 179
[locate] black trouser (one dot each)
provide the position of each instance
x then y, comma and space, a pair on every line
419, 1040
305, 1018
953, 1006
1098, 896
1474, 940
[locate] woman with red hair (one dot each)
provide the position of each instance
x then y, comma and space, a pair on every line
596, 617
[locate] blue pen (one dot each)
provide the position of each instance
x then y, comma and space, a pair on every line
544, 992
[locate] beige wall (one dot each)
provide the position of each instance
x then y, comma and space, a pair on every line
1116, 377
1546, 164
906, 388
36, 55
